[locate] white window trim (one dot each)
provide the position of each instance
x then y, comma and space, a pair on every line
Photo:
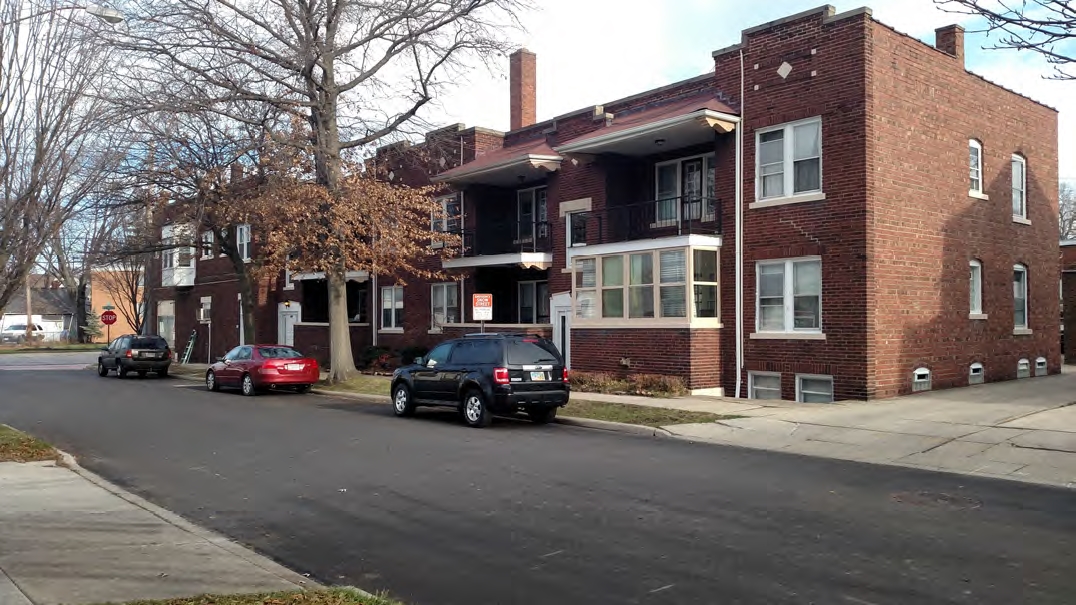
691, 320
799, 385
437, 328
751, 383
381, 309
1022, 328
704, 216
790, 196
975, 289
242, 241
973, 191
207, 242
1017, 158
790, 332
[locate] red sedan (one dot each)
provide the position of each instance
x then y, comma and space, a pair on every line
257, 367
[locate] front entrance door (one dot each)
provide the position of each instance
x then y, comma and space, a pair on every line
562, 325
287, 318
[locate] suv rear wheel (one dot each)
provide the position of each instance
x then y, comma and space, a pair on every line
101, 369
542, 415
475, 411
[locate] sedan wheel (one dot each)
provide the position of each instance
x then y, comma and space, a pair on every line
401, 401
248, 385
475, 412
211, 381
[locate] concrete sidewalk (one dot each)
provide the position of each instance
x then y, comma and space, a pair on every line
1023, 430
67, 536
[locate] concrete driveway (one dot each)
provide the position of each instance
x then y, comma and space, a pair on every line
52, 360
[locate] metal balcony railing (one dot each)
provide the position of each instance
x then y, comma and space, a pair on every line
690, 215
507, 237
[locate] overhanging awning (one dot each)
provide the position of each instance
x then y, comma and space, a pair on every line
525, 260
359, 276
505, 167
681, 123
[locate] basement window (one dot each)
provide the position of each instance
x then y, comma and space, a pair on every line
920, 380
976, 375
1040, 366
1023, 369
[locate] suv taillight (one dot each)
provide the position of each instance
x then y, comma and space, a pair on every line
167, 354
500, 376
565, 376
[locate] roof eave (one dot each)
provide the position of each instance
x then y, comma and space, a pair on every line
643, 130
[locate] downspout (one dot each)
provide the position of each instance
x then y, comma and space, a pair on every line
375, 308
739, 234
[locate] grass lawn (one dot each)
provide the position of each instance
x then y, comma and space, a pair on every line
636, 414
330, 596
363, 384
20, 447
52, 348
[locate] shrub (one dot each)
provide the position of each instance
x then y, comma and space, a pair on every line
655, 385
372, 356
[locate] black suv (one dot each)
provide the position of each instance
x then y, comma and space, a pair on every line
135, 353
486, 374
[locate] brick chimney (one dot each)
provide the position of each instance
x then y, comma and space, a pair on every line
521, 82
950, 39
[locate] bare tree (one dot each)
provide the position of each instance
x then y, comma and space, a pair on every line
1067, 207
356, 72
55, 127
1046, 27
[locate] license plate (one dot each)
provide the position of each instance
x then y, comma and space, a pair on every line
537, 376
144, 354
294, 366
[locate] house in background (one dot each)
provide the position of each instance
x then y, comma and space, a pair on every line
109, 288
50, 308
837, 211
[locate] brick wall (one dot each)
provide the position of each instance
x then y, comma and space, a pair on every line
925, 228
689, 354
828, 59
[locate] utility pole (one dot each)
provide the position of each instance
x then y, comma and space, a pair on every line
29, 313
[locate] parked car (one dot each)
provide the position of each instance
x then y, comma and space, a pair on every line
252, 368
135, 353
16, 333
486, 374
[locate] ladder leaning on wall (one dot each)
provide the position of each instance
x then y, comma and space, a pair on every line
190, 348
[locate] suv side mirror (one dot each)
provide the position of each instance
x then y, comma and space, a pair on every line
420, 361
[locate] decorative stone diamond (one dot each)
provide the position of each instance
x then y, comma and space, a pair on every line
784, 70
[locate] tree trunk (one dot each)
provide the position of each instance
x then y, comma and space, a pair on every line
81, 318
246, 291
341, 360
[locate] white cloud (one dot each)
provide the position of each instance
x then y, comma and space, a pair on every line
593, 52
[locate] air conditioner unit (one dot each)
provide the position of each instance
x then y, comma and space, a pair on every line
204, 314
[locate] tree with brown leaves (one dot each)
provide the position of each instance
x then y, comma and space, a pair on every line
354, 72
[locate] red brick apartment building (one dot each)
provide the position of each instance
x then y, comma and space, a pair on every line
837, 211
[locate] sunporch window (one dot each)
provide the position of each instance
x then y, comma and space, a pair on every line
651, 285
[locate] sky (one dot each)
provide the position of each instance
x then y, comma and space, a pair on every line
595, 51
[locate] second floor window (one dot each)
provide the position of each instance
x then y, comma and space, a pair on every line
975, 166
446, 216
207, 245
685, 189
242, 241
1019, 186
789, 159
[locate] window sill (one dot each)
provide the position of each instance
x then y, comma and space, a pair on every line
1022, 332
977, 316
699, 323
979, 195
788, 336
817, 196
390, 331
1021, 220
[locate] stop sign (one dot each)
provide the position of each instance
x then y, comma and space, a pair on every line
108, 318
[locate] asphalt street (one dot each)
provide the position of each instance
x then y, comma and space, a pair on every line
436, 513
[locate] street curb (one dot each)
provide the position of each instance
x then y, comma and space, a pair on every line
357, 396
616, 427
226, 544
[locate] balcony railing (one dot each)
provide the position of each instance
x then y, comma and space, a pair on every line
507, 237
658, 218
